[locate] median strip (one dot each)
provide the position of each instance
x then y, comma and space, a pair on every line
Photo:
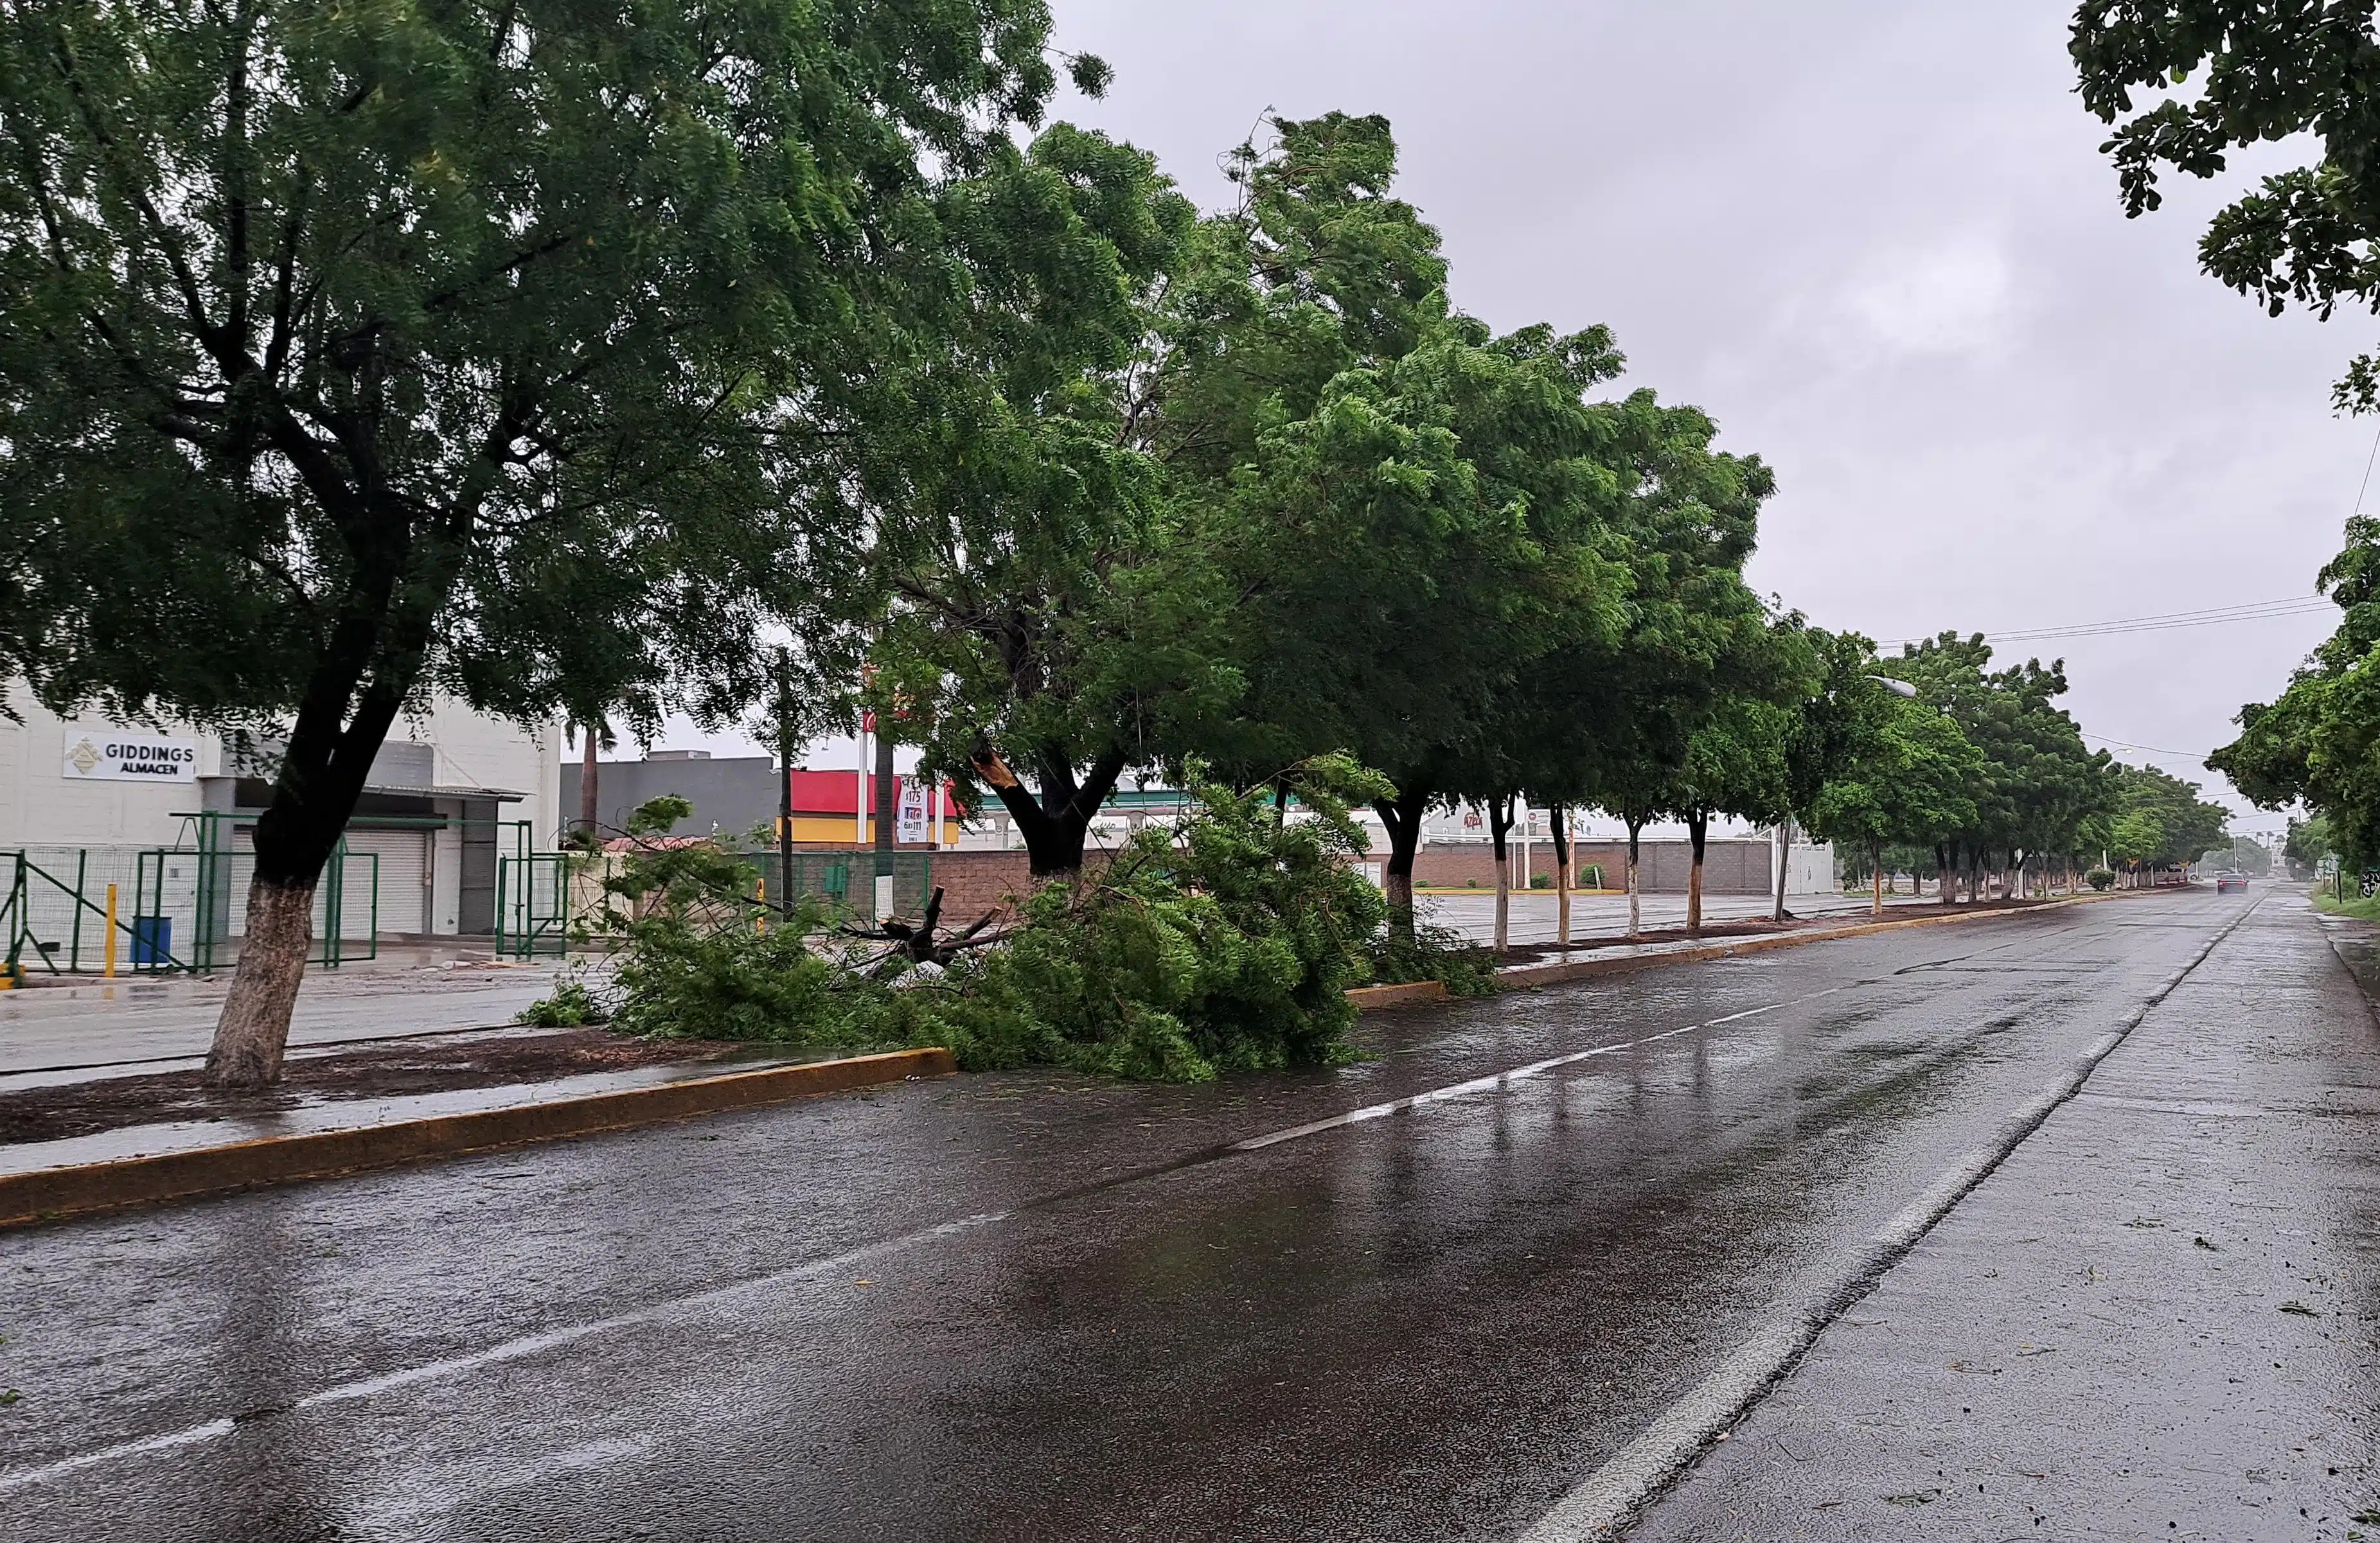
1560, 971
50, 1193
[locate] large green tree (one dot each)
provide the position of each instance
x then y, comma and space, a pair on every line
1038, 623
1401, 557
2185, 83
1904, 776
2039, 786
2320, 740
352, 355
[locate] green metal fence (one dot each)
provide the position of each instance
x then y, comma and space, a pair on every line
54, 917
847, 880
544, 900
179, 908
537, 907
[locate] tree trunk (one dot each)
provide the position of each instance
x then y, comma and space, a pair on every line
588, 804
1697, 830
1635, 915
1876, 861
322, 773
254, 1028
1402, 817
1057, 824
1944, 888
1784, 868
1558, 820
1499, 823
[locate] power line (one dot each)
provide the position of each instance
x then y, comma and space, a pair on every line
2146, 749
2367, 474
2297, 605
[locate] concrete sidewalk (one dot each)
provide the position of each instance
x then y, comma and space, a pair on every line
142, 1020
2160, 1316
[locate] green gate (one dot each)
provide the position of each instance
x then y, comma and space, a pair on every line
59, 924
533, 904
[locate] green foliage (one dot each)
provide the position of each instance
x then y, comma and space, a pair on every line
2226, 75
359, 354
2160, 821
2320, 742
1424, 952
2308, 842
433, 337
1226, 943
1033, 614
699, 958
570, 1006
1902, 773
2101, 879
679, 979
2039, 789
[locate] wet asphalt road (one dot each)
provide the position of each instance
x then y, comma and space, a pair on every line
1023, 1307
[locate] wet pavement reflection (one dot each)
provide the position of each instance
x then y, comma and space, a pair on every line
1031, 1306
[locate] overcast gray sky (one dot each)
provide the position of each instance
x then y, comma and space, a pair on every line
1875, 240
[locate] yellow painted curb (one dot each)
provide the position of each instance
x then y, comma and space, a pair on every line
58, 1193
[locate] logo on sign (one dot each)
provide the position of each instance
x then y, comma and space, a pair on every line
911, 822
115, 756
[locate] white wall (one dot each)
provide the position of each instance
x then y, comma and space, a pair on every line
475, 751
40, 807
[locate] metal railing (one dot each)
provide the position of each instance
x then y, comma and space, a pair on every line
180, 907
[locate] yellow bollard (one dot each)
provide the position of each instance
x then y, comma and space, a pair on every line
109, 971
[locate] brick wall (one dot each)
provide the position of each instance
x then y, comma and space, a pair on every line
1729, 867
974, 882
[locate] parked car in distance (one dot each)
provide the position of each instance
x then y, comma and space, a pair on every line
2225, 884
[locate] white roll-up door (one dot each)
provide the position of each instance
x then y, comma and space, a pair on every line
404, 868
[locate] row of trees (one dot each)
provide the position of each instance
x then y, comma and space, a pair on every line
2183, 84
593, 361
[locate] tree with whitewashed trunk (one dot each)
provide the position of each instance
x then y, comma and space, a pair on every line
357, 356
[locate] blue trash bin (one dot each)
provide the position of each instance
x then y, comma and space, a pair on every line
152, 940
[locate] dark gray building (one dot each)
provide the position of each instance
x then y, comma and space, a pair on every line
730, 795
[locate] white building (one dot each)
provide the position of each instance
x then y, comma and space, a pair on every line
451, 793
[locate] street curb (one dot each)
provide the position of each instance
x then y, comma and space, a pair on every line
59, 1192
1526, 977
1367, 998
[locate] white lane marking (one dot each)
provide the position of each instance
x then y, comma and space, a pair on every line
1607, 1498
1497, 1079
511, 1350
531, 1344
109, 1454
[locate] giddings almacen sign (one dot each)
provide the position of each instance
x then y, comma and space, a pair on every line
123, 755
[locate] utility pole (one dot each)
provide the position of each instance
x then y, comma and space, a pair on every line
784, 782
886, 792
590, 806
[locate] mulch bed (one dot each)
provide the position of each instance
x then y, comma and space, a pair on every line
377, 1071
